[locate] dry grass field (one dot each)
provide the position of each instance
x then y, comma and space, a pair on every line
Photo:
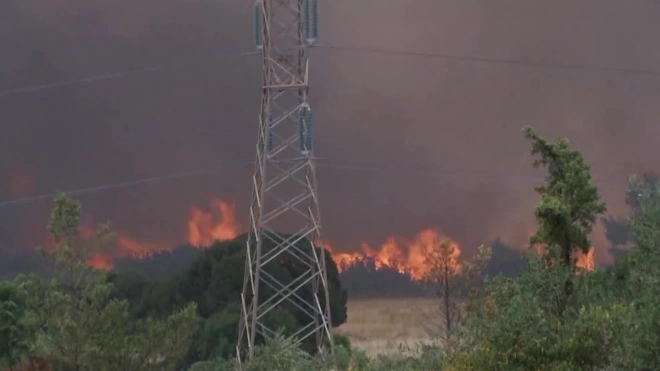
382, 326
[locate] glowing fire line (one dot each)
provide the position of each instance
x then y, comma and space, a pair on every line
219, 223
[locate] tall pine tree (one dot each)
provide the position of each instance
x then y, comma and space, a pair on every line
569, 204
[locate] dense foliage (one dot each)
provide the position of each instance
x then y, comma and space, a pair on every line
214, 283
80, 318
552, 316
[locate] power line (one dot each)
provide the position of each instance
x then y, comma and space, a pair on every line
125, 184
116, 75
340, 48
400, 168
519, 62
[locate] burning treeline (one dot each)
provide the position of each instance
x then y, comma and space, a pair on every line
219, 223
400, 254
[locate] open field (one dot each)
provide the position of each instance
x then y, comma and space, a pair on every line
382, 326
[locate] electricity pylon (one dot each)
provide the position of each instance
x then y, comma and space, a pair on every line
285, 193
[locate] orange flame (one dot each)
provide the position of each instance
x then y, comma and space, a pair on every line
218, 223
404, 256
585, 260
203, 229
124, 247
412, 256
342, 259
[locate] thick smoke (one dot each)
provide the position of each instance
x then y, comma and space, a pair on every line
461, 117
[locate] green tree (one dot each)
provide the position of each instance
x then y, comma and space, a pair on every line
443, 261
214, 282
517, 327
568, 208
641, 191
640, 336
617, 229
549, 318
13, 337
453, 281
569, 204
77, 322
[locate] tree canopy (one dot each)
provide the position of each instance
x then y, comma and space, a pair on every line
569, 204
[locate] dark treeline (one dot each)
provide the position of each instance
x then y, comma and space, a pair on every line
361, 280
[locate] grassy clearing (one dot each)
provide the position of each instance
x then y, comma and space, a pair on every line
384, 326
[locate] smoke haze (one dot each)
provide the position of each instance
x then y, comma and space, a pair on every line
461, 117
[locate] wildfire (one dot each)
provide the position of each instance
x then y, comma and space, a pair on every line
124, 246
585, 261
217, 225
400, 254
411, 256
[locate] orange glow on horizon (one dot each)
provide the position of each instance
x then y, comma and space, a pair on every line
219, 223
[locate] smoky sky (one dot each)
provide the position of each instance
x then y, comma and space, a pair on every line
461, 118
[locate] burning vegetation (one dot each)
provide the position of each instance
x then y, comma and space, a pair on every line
219, 223
409, 256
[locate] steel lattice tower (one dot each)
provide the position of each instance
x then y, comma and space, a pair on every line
284, 183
